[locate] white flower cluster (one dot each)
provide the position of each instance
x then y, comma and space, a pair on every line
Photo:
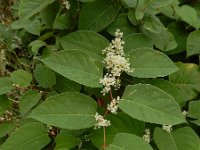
147, 135
113, 106
115, 62
66, 4
184, 112
167, 128
101, 122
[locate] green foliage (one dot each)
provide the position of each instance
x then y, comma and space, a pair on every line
69, 80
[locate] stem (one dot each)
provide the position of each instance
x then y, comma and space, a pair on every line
104, 138
111, 96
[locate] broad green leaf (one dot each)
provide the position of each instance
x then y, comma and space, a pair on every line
180, 35
132, 17
28, 100
153, 24
64, 141
140, 40
151, 104
68, 110
4, 103
156, 64
164, 40
36, 45
187, 78
180, 139
86, 1
6, 128
5, 85
21, 78
44, 76
121, 23
125, 141
31, 135
119, 123
192, 47
91, 42
76, 65
131, 3
189, 15
29, 8
65, 85
170, 88
194, 111
32, 26
97, 15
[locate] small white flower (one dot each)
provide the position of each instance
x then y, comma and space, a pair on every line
184, 112
147, 135
167, 128
113, 106
66, 4
101, 122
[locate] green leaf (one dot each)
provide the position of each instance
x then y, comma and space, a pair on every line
153, 24
187, 78
6, 128
170, 88
192, 47
97, 15
44, 76
4, 104
140, 40
36, 45
31, 135
119, 123
180, 35
189, 15
32, 26
164, 40
131, 3
91, 42
29, 8
21, 78
121, 23
62, 22
28, 100
125, 141
156, 64
64, 141
76, 65
68, 110
65, 85
5, 85
180, 139
151, 104
194, 111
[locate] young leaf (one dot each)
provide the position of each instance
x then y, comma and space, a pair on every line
44, 76
28, 100
5, 85
125, 141
31, 135
192, 47
151, 104
6, 128
68, 110
91, 42
180, 139
21, 78
156, 64
76, 65
97, 15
